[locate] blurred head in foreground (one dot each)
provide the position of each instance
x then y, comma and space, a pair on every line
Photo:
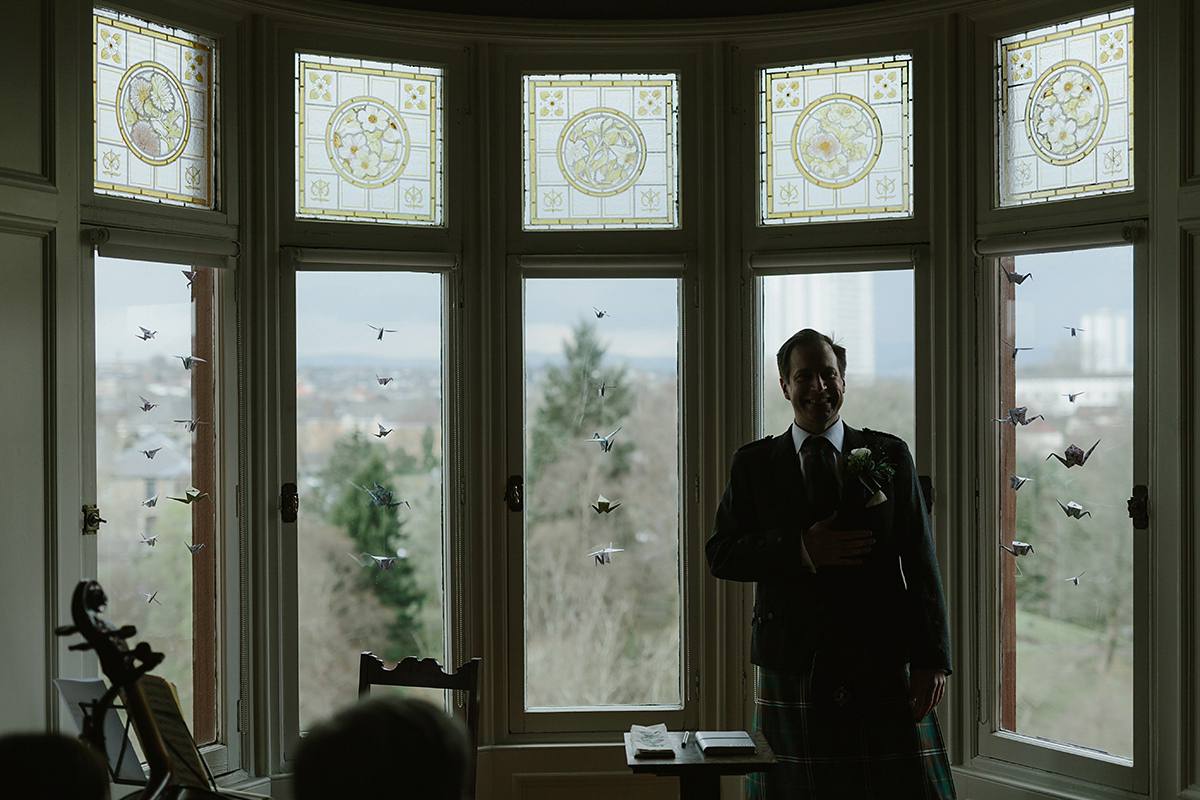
45, 765
385, 747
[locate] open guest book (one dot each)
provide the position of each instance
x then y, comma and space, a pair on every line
651, 741
724, 743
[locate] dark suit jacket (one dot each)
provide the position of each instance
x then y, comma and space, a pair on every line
876, 610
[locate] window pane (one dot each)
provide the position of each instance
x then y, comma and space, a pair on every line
602, 590
153, 111
1067, 604
368, 141
1065, 110
369, 469
157, 430
871, 315
601, 151
836, 141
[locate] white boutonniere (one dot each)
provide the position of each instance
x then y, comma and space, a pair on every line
871, 472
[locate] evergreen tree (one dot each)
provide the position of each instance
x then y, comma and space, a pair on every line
378, 530
571, 407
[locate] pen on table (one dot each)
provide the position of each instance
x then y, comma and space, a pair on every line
687, 735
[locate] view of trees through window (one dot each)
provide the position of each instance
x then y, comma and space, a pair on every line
369, 471
602, 529
1067, 614
156, 433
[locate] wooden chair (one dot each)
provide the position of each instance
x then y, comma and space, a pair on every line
427, 673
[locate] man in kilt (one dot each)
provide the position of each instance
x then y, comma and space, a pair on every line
849, 632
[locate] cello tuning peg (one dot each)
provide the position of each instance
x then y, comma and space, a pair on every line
65, 630
125, 631
80, 646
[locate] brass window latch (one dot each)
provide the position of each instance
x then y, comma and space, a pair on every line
289, 502
1139, 508
513, 493
92, 519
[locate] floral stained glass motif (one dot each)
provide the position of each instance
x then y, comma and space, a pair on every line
368, 141
601, 151
1065, 110
836, 141
153, 111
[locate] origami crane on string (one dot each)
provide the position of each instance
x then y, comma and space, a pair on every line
1074, 578
150, 454
150, 502
1016, 481
382, 431
601, 386
600, 314
146, 404
189, 425
383, 562
1073, 509
1074, 456
189, 361
1017, 416
1015, 349
194, 548
605, 442
1016, 277
190, 274
1074, 331
382, 497
146, 334
1072, 395
190, 495
603, 505
603, 555
1018, 549
151, 597
383, 381
382, 330
149, 541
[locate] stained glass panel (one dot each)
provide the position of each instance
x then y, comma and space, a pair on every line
601, 151
368, 141
836, 141
152, 108
1065, 110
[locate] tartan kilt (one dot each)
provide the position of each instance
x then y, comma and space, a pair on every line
851, 741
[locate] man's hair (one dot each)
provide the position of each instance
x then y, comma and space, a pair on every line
51, 765
808, 338
385, 747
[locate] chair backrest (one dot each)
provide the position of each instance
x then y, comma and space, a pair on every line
427, 673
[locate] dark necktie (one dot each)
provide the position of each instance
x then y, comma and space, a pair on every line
819, 474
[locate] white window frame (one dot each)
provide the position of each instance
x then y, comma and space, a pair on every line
584, 723
456, 641
224, 757
1003, 752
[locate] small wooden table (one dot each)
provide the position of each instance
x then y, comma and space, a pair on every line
700, 775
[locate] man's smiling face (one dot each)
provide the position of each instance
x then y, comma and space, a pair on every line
815, 387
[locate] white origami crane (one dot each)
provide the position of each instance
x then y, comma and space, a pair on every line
382, 497
191, 495
1074, 331
188, 361
1015, 349
1074, 456
1016, 277
1073, 509
602, 387
149, 541
194, 548
150, 453
146, 334
189, 425
383, 562
382, 431
1019, 548
603, 555
151, 502
146, 404
1017, 416
382, 380
1075, 578
603, 505
605, 442
1016, 481
190, 274
382, 330
600, 314
150, 597
1072, 395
